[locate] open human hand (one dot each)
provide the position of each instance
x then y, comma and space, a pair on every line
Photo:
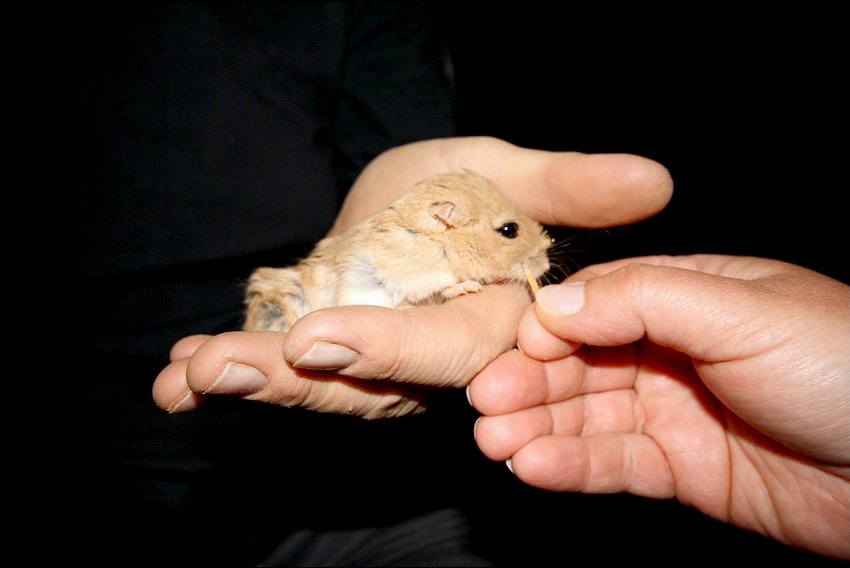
721, 381
379, 362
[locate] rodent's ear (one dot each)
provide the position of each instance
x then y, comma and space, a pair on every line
450, 214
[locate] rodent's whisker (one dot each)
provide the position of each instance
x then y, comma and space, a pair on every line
563, 255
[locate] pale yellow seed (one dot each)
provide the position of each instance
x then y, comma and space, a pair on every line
531, 280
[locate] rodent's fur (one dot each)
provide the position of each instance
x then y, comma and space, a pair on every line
447, 236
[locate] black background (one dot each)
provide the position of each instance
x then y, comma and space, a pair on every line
745, 111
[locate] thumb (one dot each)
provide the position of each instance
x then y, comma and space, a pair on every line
767, 338
694, 312
443, 345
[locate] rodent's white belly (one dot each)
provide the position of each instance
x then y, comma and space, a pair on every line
393, 294
392, 284
374, 296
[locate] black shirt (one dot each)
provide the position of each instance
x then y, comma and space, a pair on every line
202, 141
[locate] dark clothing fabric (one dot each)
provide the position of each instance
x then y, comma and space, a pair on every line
208, 138
202, 141
442, 535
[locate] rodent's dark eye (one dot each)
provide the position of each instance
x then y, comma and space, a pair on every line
509, 230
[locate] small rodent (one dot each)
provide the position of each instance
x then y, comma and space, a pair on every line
448, 235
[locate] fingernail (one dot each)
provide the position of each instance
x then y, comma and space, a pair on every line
326, 356
510, 465
561, 299
181, 404
475, 428
468, 398
238, 379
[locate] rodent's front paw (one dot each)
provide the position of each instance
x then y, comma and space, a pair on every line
461, 288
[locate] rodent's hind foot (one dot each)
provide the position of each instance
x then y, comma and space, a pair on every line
274, 299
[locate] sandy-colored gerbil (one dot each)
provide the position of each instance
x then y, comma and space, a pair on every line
447, 236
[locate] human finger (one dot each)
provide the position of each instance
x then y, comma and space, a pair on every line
675, 301
170, 390
249, 365
500, 437
556, 188
438, 346
538, 342
515, 381
767, 338
186, 346
605, 463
